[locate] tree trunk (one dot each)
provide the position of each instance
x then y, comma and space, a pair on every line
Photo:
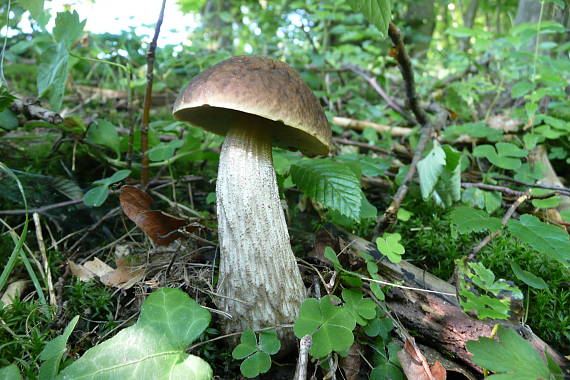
420, 17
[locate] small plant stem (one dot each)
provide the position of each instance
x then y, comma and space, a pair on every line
95, 60
148, 96
43, 252
130, 116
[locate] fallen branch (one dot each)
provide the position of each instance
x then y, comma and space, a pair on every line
33, 111
437, 316
359, 125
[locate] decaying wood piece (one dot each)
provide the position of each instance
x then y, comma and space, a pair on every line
359, 125
436, 316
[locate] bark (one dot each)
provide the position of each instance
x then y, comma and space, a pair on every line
420, 17
437, 317
260, 283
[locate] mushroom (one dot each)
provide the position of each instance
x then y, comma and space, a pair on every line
256, 102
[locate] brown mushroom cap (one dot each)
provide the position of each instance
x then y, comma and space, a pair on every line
260, 90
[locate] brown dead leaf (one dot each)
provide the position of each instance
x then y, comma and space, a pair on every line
351, 363
161, 227
124, 277
415, 365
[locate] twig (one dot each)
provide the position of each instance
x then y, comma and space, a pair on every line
43, 252
362, 145
32, 110
304, 347
405, 66
508, 215
505, 190
374, 84
148, 95
389, 215
43, 209
561, 190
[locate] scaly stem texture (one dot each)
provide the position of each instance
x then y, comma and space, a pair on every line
259, 279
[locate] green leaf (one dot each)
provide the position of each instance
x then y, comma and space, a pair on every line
361, 308
154, 347
247, 345
430, 168
8, 120
330, 183
521, 88
164, 151
331, 255
389, 245
551, 202
116, 177
470, 220
448, 187
368, 166
330, 326
96, 196
10, 372
511, 358
404, 215
52, 73
527, 277
503, 155
68, 28
269, 342
386, 371
377, 12
257, 363
53, 352
544, 238
104, 133
36, 8
6, 98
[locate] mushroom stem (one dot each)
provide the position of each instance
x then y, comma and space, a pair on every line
259, 280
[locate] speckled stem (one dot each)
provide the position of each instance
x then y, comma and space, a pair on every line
259, 279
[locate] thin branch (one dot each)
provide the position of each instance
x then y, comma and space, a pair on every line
33, 111
508, 215
43, 209
362, 145
389, 215
374, 84
148, 95
405, 65
505, 190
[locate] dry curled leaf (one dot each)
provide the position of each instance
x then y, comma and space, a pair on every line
161, 227
415, 365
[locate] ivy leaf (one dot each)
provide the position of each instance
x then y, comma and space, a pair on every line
430, 168
330, 326
389, 245
68, 28
468, 220
330, 183
169, 322
52, 73
511, 358
527, 277
543, 237
361, 308
53, 352
377, 12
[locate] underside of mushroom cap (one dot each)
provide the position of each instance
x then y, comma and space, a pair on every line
248, 89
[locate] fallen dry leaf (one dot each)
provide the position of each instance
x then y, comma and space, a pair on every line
415, 365
14, 291
161, 227
124, 277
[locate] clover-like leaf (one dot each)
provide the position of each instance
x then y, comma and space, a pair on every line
503, 155
330, 326
361, 308
152, 348
257, 359
389, 245
511, 358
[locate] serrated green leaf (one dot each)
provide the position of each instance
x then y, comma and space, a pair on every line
68, 28
53, 352
104, 133
470, 220
330, 326
544, 238
361, 308
512, 358
152, 348
368, 166
52, 73
527, 277
377, 12
430, 168
330, 183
